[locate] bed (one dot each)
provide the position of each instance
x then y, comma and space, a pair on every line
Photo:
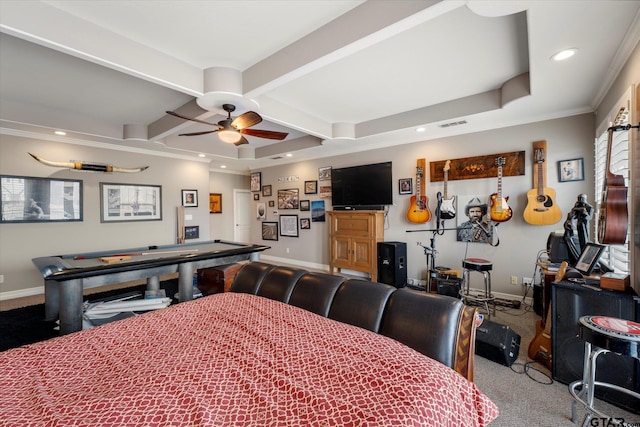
232, 359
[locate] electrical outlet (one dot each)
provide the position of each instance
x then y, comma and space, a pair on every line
527, 281
514, 280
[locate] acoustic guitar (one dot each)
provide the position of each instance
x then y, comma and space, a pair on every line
541, 206
500, 210
419, 204
613, 215
540, 346
446, 205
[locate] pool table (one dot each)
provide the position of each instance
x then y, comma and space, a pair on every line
65, 276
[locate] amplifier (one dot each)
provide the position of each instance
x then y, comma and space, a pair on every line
498, 343
449, 287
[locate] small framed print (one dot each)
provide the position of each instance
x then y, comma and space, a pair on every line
256, 196
272, 204
324, 173
261, 211
269, 230
289, 225
571, 170
310, 187
192, 232
256, 181
215, 203
289, 199
190, 198
305, 205
305, 223
266, 190
405, 186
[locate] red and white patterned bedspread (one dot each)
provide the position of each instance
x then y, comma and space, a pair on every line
232, 360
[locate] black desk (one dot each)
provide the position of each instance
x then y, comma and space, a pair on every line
65, 276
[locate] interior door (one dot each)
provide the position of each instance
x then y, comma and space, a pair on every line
242, 216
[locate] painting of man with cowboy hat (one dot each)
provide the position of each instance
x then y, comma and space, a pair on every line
476, 229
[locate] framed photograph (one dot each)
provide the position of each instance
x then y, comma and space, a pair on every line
405, 186
28, 199
571, 170
289, 225
325, 192
305, 223
269, 230
256, 180
272, 204
310, 187
215, 203
266, 190
130, 202
256, 196
261, 211
190, 198
589, 258
324, 173
305, 205
289, 199
317, 211
192, 232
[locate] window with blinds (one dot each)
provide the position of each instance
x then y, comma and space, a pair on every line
615, 256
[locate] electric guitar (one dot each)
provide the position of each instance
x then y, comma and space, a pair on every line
446, 206
419, 208
541, 206
613, 216
540, 345
500, 210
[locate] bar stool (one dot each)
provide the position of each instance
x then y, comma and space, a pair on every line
602, 334
481, 266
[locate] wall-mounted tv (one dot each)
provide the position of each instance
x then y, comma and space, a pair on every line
362, 187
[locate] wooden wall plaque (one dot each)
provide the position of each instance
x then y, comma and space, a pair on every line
478, 167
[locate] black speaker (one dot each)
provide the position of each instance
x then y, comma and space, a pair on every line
498, 343
392, 263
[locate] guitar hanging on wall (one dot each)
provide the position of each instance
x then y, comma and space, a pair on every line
541, 205
419, 208
500, 210
446, 205
613, 218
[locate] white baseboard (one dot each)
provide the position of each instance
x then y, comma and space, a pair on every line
21, 293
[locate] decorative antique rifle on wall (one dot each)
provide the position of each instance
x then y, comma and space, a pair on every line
91, 167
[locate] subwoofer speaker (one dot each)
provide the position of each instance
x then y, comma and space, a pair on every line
498, 343
392, 263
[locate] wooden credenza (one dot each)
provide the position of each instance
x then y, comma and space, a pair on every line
353, 240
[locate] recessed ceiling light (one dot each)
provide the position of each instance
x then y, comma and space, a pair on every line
289, 155
202, 155
61, 133
564, 54
223, 166
421, 129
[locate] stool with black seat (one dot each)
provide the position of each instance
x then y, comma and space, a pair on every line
602, 334
484, 267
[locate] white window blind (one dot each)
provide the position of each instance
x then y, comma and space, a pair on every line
616, 256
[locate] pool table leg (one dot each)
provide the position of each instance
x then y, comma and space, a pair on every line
153, 283
70, 306
51, 299
185, 281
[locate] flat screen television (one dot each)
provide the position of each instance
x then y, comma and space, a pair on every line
362, 187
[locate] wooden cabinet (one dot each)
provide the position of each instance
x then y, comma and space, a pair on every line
353, 240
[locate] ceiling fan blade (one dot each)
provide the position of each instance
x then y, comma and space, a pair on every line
268, 134
242, 141
173, 113
246, 120
198, 133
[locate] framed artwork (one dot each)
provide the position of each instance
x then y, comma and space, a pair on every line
130, 202
289, 225
325, 191
192, 232
589, 258
405, 186
305, 205
473, 220
571, 170
305, 223
261, 211
324, 173
215, 203
256, 196
289, 199
272, 204
256, 179
310, 187
266, 190
269, 230
190, 198
317, 211
29, 199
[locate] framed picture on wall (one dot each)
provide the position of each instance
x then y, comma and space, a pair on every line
305, 205
256, 181
310, 187
215, 203
289, 199
289, 225
405, 186
266, 190
571, 170
190, 198
130, 202
269, 230
192, 232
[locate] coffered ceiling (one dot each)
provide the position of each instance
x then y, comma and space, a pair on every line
338, 76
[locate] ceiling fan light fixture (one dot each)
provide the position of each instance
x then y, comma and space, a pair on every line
229, 136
